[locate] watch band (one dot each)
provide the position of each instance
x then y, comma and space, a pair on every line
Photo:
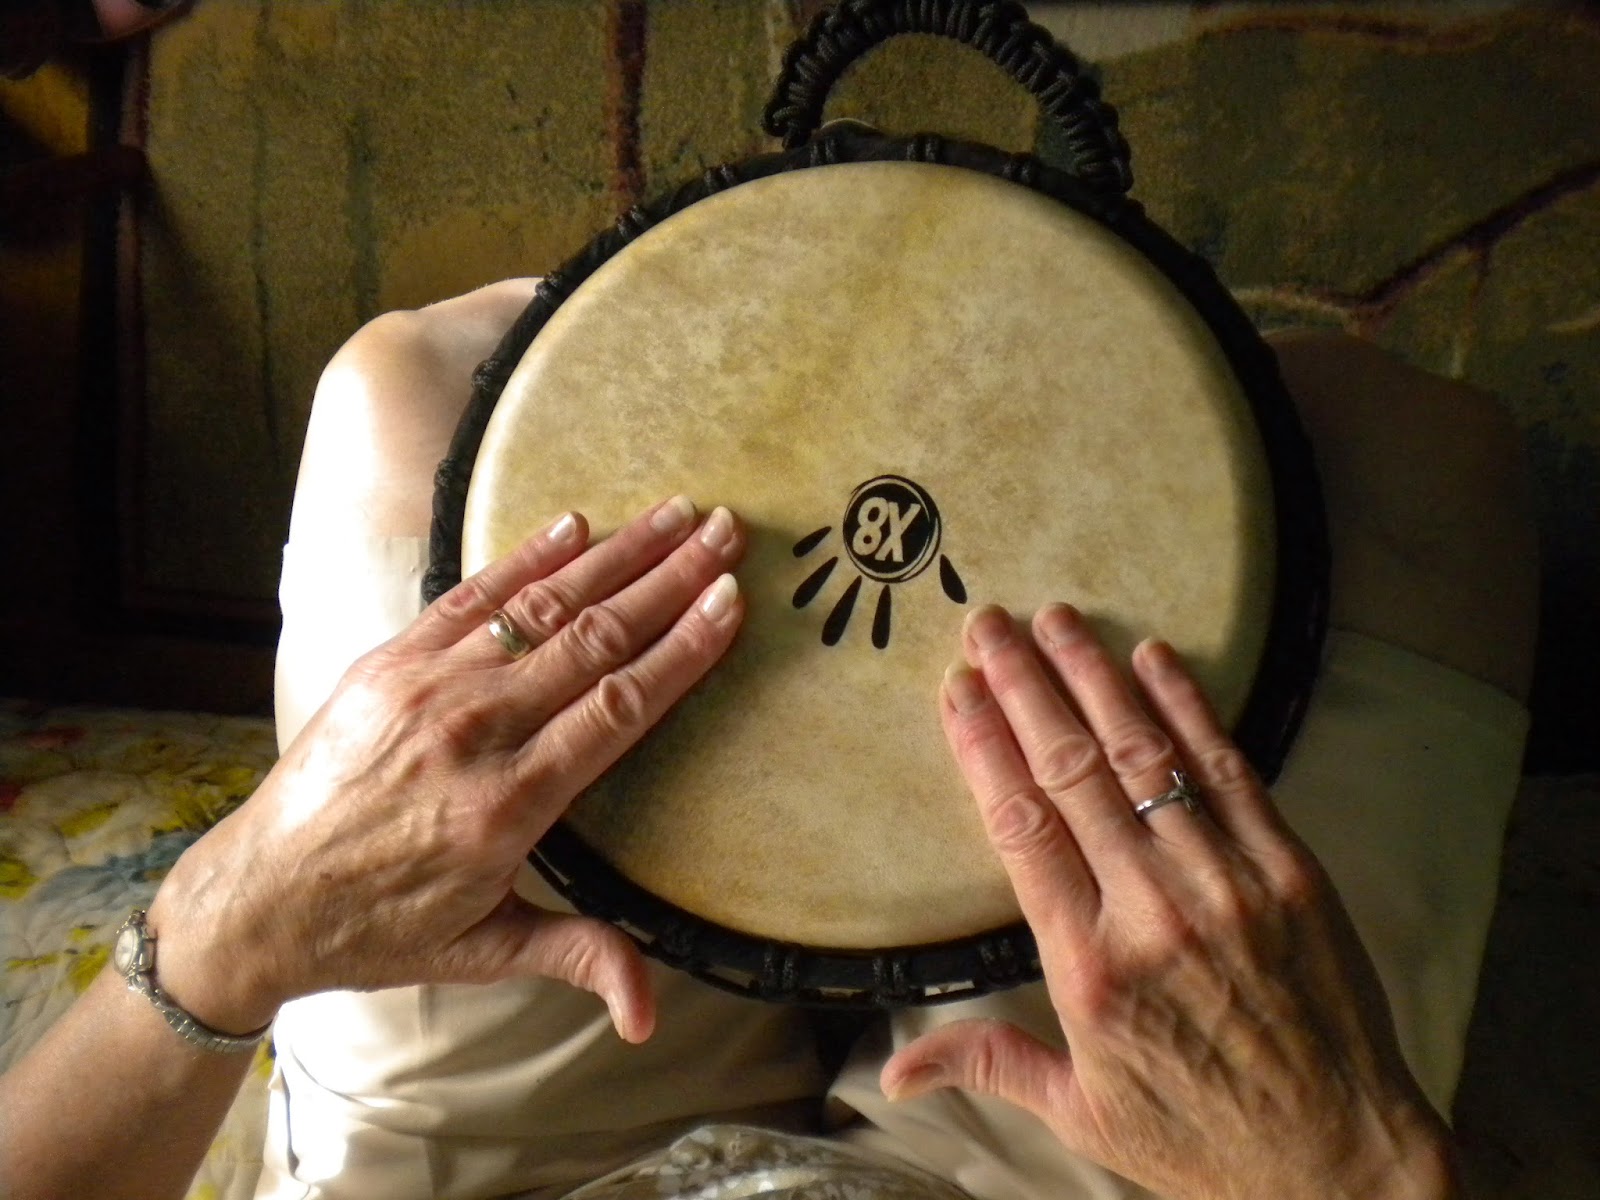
141, 977
190, 1027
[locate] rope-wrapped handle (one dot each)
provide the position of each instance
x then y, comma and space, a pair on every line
1000, 29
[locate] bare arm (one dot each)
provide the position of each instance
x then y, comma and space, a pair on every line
382, 847
111, 1085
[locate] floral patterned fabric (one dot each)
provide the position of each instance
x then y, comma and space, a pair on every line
95, 806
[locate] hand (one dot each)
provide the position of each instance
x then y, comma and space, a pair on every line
382, 848
1226, 1035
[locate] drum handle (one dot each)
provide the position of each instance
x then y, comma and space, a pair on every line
1000, 29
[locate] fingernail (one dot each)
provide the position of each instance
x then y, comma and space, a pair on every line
920, 1079
563, 529
719, 597
674, 514
989, 628
619, 1019
965, 687
718, 528
1061, 624
1161, 657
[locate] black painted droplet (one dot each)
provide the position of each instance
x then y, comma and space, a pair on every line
833, 627
808, 589
880, 619
809, 543
953, 587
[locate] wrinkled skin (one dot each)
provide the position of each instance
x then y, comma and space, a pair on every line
382, 848
1226, 1034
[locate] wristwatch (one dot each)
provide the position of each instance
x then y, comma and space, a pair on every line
133, 955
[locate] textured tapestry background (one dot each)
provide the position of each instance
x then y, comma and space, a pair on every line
1426, 176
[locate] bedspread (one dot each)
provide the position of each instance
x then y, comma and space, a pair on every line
95, 806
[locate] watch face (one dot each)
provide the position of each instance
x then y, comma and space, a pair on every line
125, 950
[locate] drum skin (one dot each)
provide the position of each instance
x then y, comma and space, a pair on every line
839, 354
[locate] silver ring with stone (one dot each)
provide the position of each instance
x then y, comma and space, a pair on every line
1183, 791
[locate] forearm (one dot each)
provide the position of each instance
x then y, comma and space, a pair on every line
111, 1103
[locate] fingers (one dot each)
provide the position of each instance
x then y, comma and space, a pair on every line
1063, 757
1234, 796
548, 604
1053, 884
610, 631
598, 958
466, 607
592, 732
1139, 752
989, 1057
519, 939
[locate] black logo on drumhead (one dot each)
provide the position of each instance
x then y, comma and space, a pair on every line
891, 530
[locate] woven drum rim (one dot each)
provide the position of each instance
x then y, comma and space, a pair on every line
1008, 956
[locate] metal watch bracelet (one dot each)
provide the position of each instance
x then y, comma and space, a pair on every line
141, 976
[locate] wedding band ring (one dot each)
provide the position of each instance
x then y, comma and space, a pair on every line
507, 634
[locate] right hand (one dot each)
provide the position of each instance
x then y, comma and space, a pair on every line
382, 848
1226, 1035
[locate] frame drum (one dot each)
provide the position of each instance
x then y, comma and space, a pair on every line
926, 374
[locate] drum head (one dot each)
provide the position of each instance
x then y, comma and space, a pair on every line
923, 388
